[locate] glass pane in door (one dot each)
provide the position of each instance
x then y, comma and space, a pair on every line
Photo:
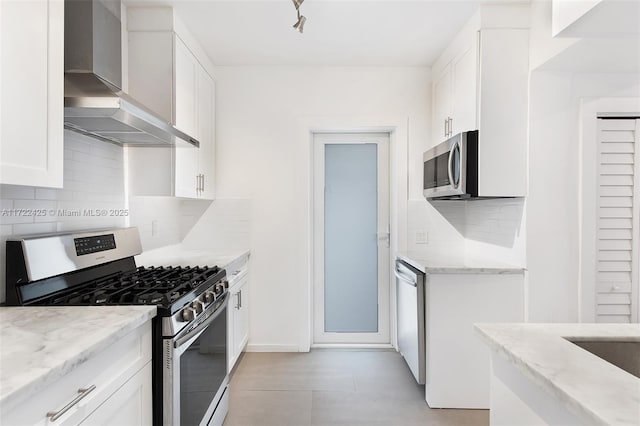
350, 238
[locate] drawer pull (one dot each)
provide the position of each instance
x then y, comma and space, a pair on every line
82, 392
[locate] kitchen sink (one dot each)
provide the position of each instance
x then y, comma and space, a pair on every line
622, 354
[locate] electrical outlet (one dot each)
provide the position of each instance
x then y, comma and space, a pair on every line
422, 237
154, 228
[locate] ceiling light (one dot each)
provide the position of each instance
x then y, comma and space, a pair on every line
299, 26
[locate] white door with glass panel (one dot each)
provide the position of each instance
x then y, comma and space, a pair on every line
351, 238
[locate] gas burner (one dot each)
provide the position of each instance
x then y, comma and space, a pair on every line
154, 298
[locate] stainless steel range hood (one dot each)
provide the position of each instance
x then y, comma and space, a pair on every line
94, 103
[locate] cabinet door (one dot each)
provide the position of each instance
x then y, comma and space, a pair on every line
186, 119
185, 76
464, 72
31, 92
442, 100
231, 314
129, 405
241, 320
185, 170
206, 126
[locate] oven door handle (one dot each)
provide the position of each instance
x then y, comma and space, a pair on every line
200, 327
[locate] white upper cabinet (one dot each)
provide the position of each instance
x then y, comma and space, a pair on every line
31, 92
481, 82
185, 81
442, 104
167, 73
454, 99
206, 132
186, 117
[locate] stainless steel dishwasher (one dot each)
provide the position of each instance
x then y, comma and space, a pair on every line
411, 317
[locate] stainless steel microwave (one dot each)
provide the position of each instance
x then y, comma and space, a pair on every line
451, 168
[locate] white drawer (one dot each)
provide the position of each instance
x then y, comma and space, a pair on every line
107, 371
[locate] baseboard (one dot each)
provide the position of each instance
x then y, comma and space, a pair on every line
252, 347
352, 346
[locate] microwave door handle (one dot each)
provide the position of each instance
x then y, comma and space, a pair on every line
449, 166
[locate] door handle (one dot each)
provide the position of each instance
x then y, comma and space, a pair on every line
385, 236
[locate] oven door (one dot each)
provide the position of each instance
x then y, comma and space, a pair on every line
443, 168
195, 372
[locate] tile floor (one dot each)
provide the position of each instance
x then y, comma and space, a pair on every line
334, 387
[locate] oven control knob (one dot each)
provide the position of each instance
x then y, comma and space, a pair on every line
226, 283
188, 314
208, 297
197, 306
219, 288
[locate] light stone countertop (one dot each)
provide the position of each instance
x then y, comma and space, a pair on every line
586, 384
40, 344
177, 255
440, 264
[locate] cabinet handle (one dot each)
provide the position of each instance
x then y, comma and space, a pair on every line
450, 126
202, 182
240, 293
238, 300
82, 392
446, 124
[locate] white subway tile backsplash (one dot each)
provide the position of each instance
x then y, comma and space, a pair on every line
16, 217
34, 228
225, 225
15, 192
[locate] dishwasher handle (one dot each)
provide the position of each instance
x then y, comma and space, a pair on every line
405, 278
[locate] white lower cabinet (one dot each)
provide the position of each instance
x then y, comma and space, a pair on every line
458, 363
129, 405
238, 314
116, 385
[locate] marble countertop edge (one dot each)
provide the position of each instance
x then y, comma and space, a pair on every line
561, 338
539, 378
19, 393
433, 264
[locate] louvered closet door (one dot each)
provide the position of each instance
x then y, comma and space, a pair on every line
618, 221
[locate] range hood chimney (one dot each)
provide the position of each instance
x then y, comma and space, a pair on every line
94, 103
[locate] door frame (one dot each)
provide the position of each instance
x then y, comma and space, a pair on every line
397, 127
590, 110
382, 142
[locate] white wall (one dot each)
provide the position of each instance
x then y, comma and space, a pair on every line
262, 157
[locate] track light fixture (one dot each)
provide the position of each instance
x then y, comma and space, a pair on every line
299, 25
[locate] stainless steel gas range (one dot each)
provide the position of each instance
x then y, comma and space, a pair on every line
190, 377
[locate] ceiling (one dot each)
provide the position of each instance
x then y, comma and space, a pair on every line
337, 32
